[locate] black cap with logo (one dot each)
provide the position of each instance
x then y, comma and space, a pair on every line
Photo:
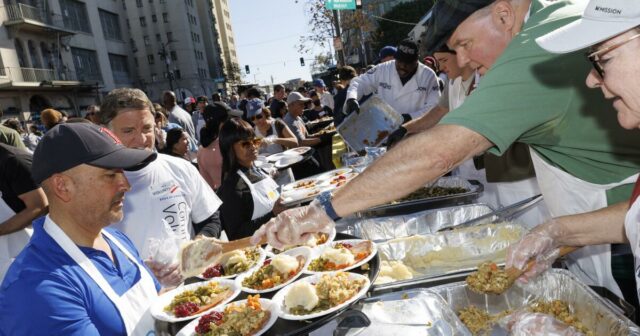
69, 145
407, 52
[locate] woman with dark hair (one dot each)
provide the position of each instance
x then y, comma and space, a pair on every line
249, 195
177, 143
209, 157
276, 135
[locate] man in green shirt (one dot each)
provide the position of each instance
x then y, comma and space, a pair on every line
10, 137
583, 159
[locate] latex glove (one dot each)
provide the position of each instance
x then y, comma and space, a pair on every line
267, 141
168, 275
396, 136
540, 244
295, 226
352, 106
406, 118
526, 323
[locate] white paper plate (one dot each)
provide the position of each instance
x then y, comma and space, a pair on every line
190, 329
302, 251
279, 297
261, 258
332, 235
317, 252
157, 306
278, 156
327, 182
298, 150
291, 186
333, 173
288, 161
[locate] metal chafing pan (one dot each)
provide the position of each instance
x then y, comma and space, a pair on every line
424, 222
596, 313
371, 126
474, 188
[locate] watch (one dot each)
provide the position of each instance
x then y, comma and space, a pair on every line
325, 201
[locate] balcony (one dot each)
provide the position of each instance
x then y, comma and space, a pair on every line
15, 78
29, 18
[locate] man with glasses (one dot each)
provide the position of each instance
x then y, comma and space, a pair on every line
583, 161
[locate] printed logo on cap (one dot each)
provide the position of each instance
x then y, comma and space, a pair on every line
111, 135
407, 49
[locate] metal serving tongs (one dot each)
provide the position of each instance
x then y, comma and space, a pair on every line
503, 213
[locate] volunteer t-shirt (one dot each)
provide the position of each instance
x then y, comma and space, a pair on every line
169, 189
539, 98
46, 293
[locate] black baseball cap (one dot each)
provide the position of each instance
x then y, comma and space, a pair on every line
446, 16
407, 52
69, 145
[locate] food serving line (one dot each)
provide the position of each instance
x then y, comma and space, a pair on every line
420, 250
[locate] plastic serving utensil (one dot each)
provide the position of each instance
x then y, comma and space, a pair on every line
514, 273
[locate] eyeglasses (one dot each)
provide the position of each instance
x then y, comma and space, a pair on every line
594, 56
255, 142
257, 117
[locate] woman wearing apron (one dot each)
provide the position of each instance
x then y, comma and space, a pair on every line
614, 41
276, 135
249, 195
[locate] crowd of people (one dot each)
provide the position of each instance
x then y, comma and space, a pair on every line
93, 209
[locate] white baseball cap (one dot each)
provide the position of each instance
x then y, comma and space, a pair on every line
601, 20
296, 96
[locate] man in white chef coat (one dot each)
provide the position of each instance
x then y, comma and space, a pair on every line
408, 86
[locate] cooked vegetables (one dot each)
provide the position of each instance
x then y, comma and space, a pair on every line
488, 279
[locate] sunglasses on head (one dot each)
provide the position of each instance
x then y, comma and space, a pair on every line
257, 117
255, 142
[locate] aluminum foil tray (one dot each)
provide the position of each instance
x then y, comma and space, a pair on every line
424, 222
474, 189
596, 313
434, 256
430, 315
371, 126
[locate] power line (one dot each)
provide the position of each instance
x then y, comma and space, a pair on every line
394, 21
267, 41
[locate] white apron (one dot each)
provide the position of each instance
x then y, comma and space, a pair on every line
13, 243
567, 195
272, 148
133, 305
631, 223
264, 194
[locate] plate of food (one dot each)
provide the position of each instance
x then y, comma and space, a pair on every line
298, 150
308, 183
342, 255
320, 294
317, 239
234, 263
194, 300
253, 316
338, 181
276, 272
333, 173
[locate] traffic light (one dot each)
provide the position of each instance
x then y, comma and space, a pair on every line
246, 69
301, 61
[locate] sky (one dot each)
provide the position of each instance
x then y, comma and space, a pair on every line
266, 33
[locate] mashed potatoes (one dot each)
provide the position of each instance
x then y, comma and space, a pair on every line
302, 294
285, 263
392, 271
340, 256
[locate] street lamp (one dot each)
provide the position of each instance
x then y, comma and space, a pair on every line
167, 61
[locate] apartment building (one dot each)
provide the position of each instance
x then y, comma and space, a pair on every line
67, 54
227, 41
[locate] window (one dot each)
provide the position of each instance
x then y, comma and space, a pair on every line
154, 77
119, 68
135, 62
154, 18
176, 74
139, 3
74, 15
169, 36
165, 17
158, 38
151, 1
128, 24
150, 59
143, 21
174, 55
133, 45
110, 25
86, 64
146, 40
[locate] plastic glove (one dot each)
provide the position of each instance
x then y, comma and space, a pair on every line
526, 323
352, 106
540, 244
406, 118
294, 226
167, 275
267, 141
396, 136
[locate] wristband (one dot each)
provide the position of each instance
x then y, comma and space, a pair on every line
325, 201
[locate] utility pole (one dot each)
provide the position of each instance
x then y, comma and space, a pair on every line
336, 24
167, 61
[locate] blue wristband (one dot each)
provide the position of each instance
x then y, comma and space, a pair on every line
325, 200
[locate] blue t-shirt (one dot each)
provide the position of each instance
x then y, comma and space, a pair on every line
46, 292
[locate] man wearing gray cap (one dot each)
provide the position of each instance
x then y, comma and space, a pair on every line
76, 276
583, 161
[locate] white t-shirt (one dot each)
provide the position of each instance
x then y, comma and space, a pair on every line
169, 189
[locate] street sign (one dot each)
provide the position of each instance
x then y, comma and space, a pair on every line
337, 43
340, 4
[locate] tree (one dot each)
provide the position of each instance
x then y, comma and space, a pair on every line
390, 33
321, 23
321, 63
